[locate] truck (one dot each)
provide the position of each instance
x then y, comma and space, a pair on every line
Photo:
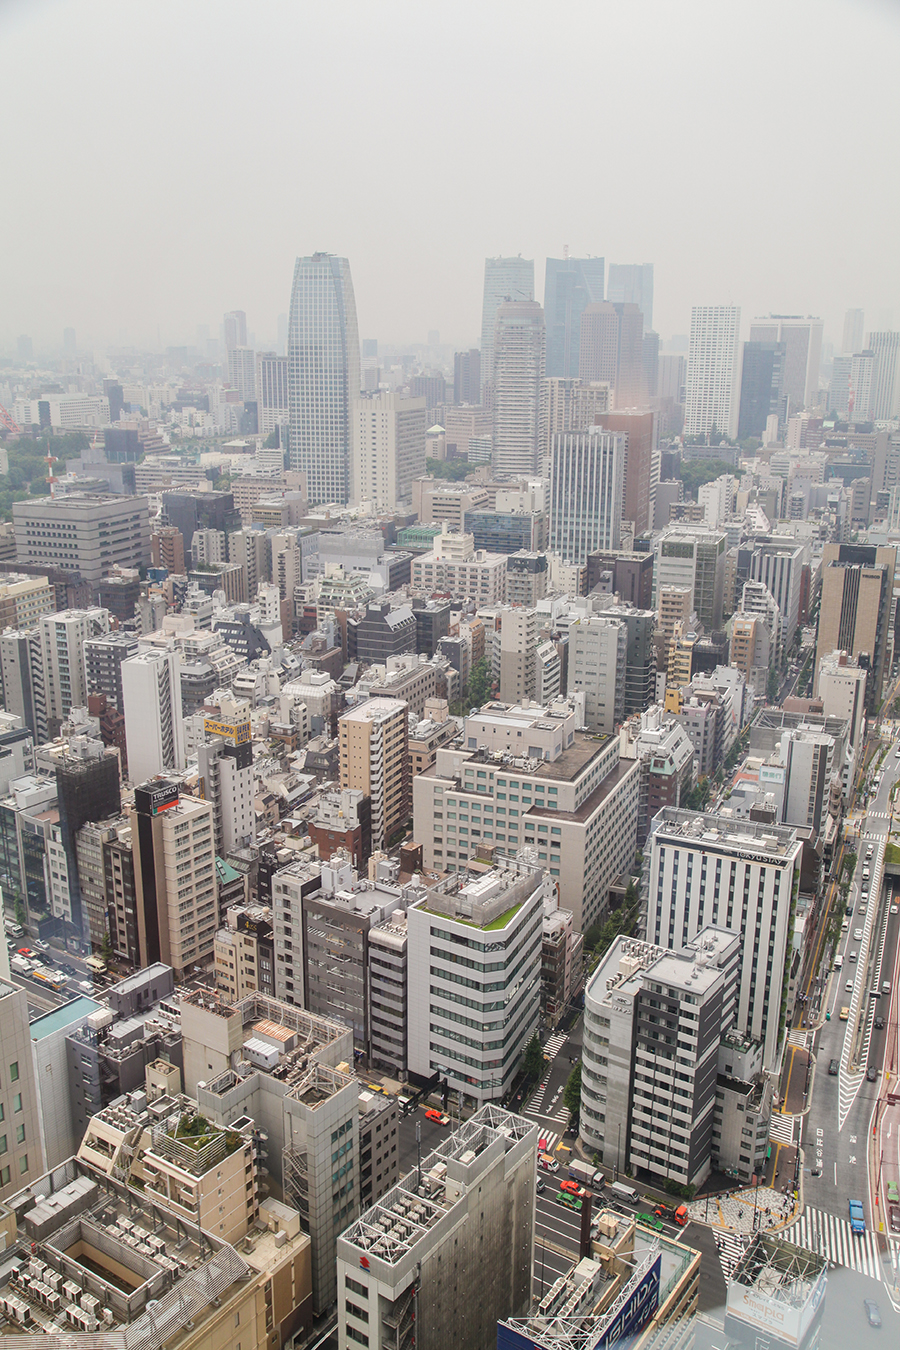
585, 1174
623, 1191
21, 965
857, 1218
677, 1215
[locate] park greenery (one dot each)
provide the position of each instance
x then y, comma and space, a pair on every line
27, 472
454, 470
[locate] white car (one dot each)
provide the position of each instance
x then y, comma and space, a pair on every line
857, 935
849, 986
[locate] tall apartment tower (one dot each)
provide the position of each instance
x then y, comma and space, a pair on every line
518, 373
885, 403
242, 372
518, 655
467, 376
272, 402
741, 879
172, 837
632, 284
854, 612
612, 349
639, 433
388, 448
505, 279
63, 637
374, 752
587, 475
854, 326
570, 284
323, 375
151, 696
713, 372
802, 340
235, 325
597, 659
103, 658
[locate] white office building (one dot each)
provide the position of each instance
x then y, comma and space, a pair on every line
388, 449
488, 928
504, 279
801, 338
151, 695
714, 370
62, 638
597, 659
587, 474
519, 343
705, 870
885, 403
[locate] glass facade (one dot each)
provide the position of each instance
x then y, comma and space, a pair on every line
323, 375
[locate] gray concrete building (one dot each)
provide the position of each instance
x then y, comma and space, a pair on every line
83, 532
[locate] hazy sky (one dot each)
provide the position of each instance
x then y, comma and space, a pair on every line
166, 160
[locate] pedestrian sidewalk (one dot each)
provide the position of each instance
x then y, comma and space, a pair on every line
744, 1211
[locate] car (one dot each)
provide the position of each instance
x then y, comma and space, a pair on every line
41, 946
440, 1117
885, 986
849, 986
871, 1074
864, 899
848, 909
67, 970
815, 1171
844, 1014
879, 1024
857, 934
893, 909
851, 956
895, 1218
571, 1186
893, 1194
833, 1067
540, 1185
872, 1312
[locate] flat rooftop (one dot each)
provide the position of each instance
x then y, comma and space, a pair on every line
76, 1010
719, 832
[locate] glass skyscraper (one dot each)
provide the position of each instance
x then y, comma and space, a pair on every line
505, 279
570, 284
323, 375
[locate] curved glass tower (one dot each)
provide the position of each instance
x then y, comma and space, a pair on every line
323, 374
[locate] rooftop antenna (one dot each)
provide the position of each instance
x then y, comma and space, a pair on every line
565, 252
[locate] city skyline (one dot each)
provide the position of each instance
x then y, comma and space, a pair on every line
155, 264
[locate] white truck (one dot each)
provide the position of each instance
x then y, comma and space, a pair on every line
585, 1174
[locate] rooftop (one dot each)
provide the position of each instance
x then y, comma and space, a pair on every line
776, 841
76, 1010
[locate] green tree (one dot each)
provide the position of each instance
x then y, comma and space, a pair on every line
454, 470
479, 682
272, 442
572, 1093
106, 948
533, 1059
696, 472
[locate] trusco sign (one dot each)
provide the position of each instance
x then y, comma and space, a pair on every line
236, 732
163, 798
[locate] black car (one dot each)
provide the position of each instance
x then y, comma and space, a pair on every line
67, 970
879, 1024
872, 1312
871, 1074
833, 1067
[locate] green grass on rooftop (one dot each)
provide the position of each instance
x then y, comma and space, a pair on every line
500, 922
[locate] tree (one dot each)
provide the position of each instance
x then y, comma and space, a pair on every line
696, 472
272, 442
453, 469
572, 1093
479, 682
533, 1058
106, 948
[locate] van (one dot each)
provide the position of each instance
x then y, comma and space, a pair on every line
546, 1163
838, 962
624, 1192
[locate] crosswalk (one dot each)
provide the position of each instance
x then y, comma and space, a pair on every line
731, 1247
548, 1141
831, 1237
554, 1044
800, 1039
535, 1106
781, 1128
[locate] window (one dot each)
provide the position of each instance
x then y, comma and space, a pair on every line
23, 1163
14, 1071
355, 1311
355, 1335
20, 1134
17, 1104
3, 1144
355, 1287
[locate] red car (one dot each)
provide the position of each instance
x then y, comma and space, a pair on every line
572, 1187
439, 1116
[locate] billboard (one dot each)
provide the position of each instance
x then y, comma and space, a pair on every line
238, 733
633, 1309
163, 798
751, 1308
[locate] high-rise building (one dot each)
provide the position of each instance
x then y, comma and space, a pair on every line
87, 788
570, 285
151, 697
855, 608
802, 341
740, 878
476, 1232
235, 324
569, 405
63, 637
505, 280
103, 657
694, 557
842, 689
83, 532
839, 388
612, 350
272, 402
632, 284
587, 474
467, 376
375, 758
762, 373
175, 877
779, 564
597, 652
242, 372
638, 431
712, 395
23, 1156
518, 373
194, 510
323, 375
388, 448
476, 1050
861, 391
518, 654
885, 404
225, 768
854, 325
167, 549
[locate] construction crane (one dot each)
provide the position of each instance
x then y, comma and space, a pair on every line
7, 422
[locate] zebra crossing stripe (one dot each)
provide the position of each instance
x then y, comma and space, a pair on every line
781, 1128
833, 1238
730, 1248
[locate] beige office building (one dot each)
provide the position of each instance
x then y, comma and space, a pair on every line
374, 749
